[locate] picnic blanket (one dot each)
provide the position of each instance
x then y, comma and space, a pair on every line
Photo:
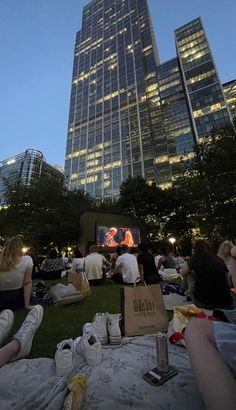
117, 383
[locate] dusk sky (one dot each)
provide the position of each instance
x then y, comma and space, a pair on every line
37, 43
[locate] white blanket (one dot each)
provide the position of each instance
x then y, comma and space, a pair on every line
116, 383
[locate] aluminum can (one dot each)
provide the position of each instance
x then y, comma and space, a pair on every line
162, 352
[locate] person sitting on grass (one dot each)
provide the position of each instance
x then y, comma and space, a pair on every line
211, 289
212, 350
126, 269
147, 267
52, 266
21, 343
94, 263
15, 275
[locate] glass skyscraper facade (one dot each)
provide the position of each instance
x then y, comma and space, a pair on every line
176, 121
230, 95
25, 168
205, 96
129, 114
114, 105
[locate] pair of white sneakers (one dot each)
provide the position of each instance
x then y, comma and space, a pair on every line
88, 346
103, 328
26, 333
106, 326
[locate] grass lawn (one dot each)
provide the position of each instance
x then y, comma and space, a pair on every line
66, 322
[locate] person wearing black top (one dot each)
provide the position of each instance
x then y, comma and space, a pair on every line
211, 288
147, 267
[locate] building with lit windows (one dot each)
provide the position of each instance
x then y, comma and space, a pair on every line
114, 105
230, 95
206, 100
25, 168
129, 114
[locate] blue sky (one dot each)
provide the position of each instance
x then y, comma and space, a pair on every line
37, 43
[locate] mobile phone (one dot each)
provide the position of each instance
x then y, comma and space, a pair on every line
157, 378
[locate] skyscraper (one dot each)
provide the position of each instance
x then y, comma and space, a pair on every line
129, 114
114, 111
230, 95
206, 100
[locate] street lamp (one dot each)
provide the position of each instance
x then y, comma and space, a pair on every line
172, 241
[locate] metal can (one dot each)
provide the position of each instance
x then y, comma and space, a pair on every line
162, 352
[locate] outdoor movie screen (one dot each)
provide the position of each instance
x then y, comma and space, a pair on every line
112, 237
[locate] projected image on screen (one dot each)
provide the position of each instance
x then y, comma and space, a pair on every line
112, 236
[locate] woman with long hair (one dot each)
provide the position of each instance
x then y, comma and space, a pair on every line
211, 288
224, 252
15, 275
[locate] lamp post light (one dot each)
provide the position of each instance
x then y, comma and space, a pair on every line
172, 241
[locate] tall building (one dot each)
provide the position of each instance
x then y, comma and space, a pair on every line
205, 96
230, 95
25, 168
176, 121
129, 114
113, 109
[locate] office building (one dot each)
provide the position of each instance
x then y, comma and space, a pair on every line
25, 168
230, 95
129, 114
112, 127
205, 96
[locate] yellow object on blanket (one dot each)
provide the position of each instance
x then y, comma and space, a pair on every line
182, 315
77, 387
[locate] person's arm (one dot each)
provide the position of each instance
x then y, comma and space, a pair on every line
185, 270
141, 271
233, 252
160, 262
117, 266
27, 286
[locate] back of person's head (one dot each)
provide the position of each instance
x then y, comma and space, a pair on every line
143, 247
10, 253
124, 248
202, 248
52, 254
77, 253
118, 250
134, 250
224, 250
93, 249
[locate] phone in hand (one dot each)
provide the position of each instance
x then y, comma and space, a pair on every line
157, 378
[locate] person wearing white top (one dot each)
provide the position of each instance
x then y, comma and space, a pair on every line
15, 275
94, 263
129, 267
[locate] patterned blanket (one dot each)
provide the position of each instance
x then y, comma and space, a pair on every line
117, 383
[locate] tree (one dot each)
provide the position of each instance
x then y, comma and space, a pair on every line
44, 213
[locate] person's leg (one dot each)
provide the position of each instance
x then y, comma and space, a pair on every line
8, 352
21, 344
216, 382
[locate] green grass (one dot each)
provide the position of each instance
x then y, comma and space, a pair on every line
66, 322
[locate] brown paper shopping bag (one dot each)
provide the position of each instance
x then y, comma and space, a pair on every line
143, 310
80, 281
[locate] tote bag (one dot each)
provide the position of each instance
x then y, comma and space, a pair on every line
143, 310
80, 281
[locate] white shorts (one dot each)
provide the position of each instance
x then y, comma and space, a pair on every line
225, 336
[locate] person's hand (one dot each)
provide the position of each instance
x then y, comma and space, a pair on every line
29, 307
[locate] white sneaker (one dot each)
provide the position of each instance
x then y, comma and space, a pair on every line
26, 333
90, 347
6, 322
64, 357
98, 327
113, 326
